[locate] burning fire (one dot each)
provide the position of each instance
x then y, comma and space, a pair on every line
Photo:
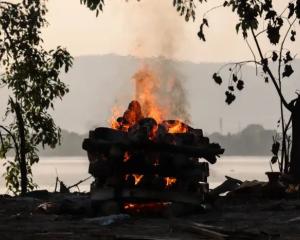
170, 181
176, 126
148, 111
137, 178
147, 104
147, 84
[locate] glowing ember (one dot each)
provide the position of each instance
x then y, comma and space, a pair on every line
137, 178
126, 156
129, 206
152, 207
170, 181
176, 127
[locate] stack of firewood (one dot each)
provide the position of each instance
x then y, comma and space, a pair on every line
144, 161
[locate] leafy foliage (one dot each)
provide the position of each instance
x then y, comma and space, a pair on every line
185, 8
32, 75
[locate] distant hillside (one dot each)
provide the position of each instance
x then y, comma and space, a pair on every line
253, 140
96, 82
70, 146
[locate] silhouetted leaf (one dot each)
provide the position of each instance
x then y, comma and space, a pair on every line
274, 56
271, 15
275, 148
267, 5
217, 78
200, 33
288, 57
266, 80
274, 159
234, 77
291, 9
293, 34
297, 9
288, 71
279, 21
237, 27
231, 88
273, 34
240, 85
230, 97
264, 63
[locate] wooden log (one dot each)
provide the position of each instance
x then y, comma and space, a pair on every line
230, 184
143, 131
209, 152
100, 169
108, 134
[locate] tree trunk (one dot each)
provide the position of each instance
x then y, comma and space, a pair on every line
23, 165
295, 152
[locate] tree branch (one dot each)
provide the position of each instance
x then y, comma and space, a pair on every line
14, 140
270, 73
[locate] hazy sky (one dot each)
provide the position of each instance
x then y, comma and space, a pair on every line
145, 28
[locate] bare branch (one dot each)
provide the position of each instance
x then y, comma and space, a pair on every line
270, 72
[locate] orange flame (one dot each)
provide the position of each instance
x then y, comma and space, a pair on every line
137, 178
145, 207
147, 104
176, 127
170, 181
116, 112
147, 85
126, 156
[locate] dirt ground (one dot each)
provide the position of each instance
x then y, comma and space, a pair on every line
25, 218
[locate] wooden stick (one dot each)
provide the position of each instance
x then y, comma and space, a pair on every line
78, 183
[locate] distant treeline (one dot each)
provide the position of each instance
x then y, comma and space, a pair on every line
70, 146
253, 140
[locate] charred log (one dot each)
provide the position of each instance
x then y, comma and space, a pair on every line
209, 152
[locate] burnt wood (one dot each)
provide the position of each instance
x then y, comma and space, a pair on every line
209, 152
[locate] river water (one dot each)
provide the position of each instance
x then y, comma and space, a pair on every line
72, 169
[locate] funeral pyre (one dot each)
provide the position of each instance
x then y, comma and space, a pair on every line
143, 160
